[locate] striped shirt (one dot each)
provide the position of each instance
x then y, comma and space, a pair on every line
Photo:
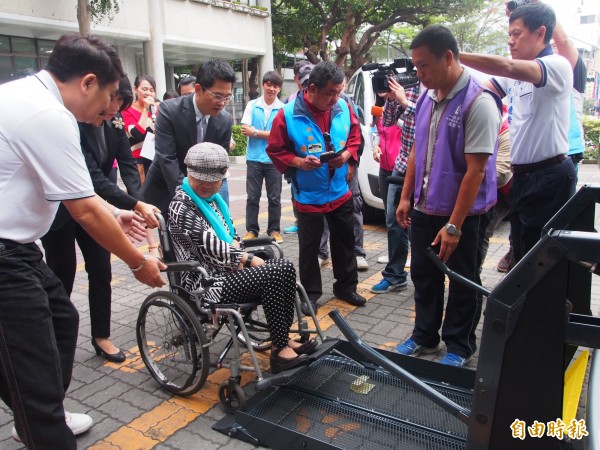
392, 112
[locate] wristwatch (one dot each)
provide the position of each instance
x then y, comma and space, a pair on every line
255, 133
452, 230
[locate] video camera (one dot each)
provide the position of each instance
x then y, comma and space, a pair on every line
379, 79
511, 6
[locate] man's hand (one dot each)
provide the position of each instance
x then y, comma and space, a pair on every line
309, 163
403, 213
448, 242
248, 130
132, 225
397, 93
340, 160
150, 273
146, 211
351, 170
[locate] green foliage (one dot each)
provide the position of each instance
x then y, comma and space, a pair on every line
104, 9
347, 29
241, 142
591, 133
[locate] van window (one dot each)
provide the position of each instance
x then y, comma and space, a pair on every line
359, 97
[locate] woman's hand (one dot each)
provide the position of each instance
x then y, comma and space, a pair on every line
146, 211
376, 152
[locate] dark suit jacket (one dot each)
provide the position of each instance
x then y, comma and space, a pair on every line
175, 134
118, 147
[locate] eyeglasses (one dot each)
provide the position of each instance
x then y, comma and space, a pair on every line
219, 97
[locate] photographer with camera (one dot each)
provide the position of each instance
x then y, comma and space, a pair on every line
538, 85
399, 106
452, 172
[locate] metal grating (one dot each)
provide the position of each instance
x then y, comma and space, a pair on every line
347, 428
331, 377
392, 415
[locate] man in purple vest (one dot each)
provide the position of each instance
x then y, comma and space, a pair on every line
452, 173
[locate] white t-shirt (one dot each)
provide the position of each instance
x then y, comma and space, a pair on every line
40, 158
538, 116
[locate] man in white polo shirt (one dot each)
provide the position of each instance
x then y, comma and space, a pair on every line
538, 86
41, 164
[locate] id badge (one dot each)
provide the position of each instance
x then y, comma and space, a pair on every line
315, 148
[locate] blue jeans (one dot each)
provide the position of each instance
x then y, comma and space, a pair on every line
224, 191
255, 174
397, 236
38, 337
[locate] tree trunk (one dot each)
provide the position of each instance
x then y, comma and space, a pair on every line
84, 17
253, 78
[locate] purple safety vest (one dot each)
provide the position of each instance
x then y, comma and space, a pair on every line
448, 164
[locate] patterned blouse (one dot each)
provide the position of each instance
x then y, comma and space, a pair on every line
194, 239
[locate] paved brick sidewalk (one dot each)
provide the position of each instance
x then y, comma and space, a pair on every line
131, 412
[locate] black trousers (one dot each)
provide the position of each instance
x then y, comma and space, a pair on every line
341, 241
463, 309
535, 197
61, 257
38, 337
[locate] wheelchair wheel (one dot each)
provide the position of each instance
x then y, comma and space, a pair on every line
232, 396
172, 343
258, 330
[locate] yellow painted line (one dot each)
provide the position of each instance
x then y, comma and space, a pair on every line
155, 426
574, 378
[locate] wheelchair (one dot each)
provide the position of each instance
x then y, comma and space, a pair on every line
176, 329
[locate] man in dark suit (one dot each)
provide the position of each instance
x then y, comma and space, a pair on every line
185, 121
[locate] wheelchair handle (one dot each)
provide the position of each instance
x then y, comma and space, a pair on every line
455, 276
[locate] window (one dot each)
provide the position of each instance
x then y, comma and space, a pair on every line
22, 56
584, 20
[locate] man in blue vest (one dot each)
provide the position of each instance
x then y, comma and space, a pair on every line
452, 172
315, 123
256, 124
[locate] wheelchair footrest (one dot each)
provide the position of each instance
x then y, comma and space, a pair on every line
286, 376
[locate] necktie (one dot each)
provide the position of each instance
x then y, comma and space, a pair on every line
200, 130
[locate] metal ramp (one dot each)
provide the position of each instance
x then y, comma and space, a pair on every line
534, 319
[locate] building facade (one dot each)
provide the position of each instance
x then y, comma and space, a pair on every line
152, 36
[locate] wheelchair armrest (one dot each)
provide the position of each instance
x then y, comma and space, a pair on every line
181, 266
257, 242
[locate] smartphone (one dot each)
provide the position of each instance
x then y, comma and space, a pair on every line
325, 157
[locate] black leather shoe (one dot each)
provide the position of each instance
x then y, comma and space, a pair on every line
305, 310
353, 298
279, 363
307, 347
118, 357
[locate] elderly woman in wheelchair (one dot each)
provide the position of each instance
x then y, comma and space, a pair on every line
201, 230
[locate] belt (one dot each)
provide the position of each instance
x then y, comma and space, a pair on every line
522, 168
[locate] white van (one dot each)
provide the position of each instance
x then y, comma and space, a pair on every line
361, 90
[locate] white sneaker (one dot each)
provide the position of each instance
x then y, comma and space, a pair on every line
323, 261
383, 259
361, 263
78, 423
